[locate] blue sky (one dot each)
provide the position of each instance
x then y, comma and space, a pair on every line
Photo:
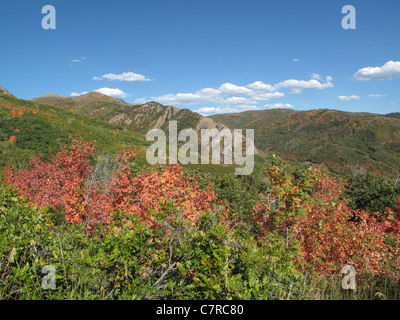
209, 56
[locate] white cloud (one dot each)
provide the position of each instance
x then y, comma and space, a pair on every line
239, 100
266, 96
229, 89
207, 111
377, 95
209, 93
78, 60
295, 60
125, 76
75, 94
117, 93
180, 98
298, 85
232, 96
140, 100
262, 91
261, 86
348, 98
227, 93
316, 76
279, 106
206, 95
389, 70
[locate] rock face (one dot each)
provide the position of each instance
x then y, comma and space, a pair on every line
153, 115
207, 123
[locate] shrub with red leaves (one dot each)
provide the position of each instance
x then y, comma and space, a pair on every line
64, 182
330, 235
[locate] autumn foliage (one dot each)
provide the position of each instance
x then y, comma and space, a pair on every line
311, 211
12, 140
66, 182
148, 194
54, 183
307, 210
398, 208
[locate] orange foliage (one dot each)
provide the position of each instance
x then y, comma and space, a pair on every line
12, 140
312, 213
65, 182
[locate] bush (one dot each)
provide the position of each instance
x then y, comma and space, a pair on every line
368, 192
311, 212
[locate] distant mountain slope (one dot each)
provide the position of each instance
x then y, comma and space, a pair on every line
4, 92
393, 114
333, 139
41, 126
28, 128
94, 99
138, 117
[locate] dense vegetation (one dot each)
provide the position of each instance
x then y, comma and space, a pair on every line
114, 232
334, 140
28, 129
77, 195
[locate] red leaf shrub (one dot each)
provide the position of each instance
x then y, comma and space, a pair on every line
313, 214
64, 182
146, 194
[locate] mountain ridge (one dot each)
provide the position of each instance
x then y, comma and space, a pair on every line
29, 128
142, 117
333, 139
5, 92
137, 117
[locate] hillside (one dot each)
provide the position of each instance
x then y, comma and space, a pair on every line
332, 139
42, 125
393, 114
140, 117
4, 92
28, 128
